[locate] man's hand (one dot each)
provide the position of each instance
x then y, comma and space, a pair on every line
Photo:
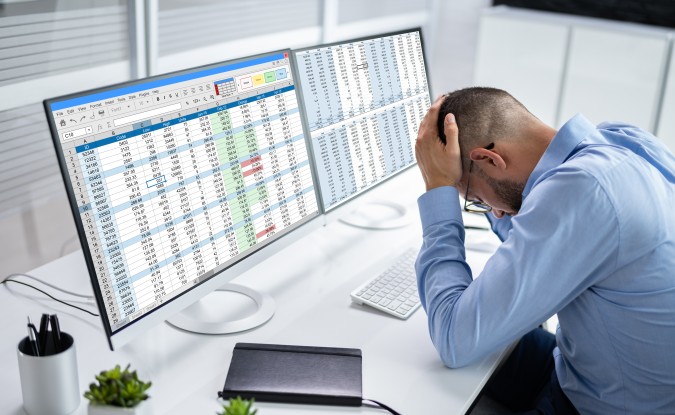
440, 164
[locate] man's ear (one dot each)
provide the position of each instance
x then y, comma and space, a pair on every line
487, 159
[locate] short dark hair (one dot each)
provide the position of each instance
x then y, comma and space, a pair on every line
484, 115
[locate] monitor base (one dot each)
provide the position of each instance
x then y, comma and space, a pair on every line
213, 313
378, 215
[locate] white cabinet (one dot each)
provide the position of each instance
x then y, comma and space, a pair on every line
614, 75
559, 65
525, 57
666, 127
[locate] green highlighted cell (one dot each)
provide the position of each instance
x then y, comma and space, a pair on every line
233, 178
227, 149
240, 209
245, 237
220, 122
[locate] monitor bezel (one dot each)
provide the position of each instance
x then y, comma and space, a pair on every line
174, 305
335, 211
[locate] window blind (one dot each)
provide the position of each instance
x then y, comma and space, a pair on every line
186, 25
28, 166
40, 39
34, 45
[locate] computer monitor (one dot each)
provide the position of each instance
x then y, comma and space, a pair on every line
364, 100
177, 182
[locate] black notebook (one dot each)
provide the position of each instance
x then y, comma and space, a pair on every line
294, 374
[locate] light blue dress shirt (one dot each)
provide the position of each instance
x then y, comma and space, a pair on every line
594, 241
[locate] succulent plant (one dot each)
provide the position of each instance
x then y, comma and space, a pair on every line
238, 406
117, 387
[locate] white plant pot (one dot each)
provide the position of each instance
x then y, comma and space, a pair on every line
144, 408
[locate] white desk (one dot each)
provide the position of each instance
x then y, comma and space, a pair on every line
310, 281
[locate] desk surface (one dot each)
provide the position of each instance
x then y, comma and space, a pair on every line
310, 281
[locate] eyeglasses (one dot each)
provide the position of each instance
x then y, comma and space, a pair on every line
475, 206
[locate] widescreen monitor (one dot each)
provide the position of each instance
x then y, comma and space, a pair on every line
178, 182
364, 100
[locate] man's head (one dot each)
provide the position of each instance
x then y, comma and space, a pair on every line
515, 140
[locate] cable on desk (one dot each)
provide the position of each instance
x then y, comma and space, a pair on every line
381, 405
88, 297
10, 279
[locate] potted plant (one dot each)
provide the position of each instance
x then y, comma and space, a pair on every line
118, 392
238, 406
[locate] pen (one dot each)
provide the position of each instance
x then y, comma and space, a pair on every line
479, 228
56, 333
42, 335
31, 339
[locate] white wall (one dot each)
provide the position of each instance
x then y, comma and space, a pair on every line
453, 44
559, 65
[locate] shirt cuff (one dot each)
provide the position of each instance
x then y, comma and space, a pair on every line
439, 205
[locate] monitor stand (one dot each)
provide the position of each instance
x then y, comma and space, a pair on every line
219, 312
378, 215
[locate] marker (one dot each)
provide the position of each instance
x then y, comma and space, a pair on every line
56, 333
31, 339
42, 335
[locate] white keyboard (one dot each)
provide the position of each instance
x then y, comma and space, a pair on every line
395, 290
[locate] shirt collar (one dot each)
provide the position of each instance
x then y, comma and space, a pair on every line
560, 148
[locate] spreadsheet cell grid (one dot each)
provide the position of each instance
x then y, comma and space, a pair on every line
364, 102
182, 195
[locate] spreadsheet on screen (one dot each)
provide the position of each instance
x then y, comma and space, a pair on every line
364, 101
176, 178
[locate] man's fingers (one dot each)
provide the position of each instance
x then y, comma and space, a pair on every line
450, 128
435, 108
439, 162
439, 100
428, 124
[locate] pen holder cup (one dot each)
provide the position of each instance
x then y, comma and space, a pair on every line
49, 384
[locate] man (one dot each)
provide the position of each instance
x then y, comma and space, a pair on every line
588, 229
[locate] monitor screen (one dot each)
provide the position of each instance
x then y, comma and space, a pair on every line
173, 179
364, 100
